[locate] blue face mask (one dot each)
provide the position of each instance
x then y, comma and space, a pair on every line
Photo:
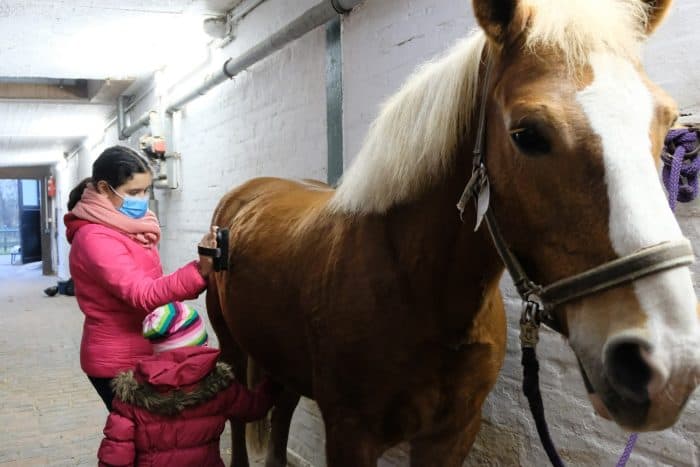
132, 206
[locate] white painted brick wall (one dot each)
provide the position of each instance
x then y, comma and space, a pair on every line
271, 121
67, 176
670, 60
383, 42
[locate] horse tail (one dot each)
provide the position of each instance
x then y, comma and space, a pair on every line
257, 432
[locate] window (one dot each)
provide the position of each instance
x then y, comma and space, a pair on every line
30, 193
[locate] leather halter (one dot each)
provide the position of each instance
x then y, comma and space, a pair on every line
541, 300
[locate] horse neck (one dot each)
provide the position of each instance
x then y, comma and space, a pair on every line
447, 263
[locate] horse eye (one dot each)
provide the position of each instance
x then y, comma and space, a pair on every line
530, 141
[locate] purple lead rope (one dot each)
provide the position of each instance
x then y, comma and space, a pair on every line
681, 165
628, 450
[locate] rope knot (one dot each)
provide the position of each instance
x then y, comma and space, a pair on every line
681, 164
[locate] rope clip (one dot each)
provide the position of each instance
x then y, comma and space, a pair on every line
530, 324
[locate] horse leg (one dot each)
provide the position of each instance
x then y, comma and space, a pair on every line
447, 448
234, 356
281, 420
349, 444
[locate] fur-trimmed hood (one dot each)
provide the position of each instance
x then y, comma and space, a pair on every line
172, 381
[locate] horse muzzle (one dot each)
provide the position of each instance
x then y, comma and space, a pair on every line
633, 369
635, 386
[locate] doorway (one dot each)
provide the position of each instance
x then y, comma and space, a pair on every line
29, 201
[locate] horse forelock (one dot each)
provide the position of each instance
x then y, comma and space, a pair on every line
578, 28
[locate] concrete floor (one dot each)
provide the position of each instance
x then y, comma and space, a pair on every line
49, 413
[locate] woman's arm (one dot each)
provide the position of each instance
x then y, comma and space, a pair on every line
110, 264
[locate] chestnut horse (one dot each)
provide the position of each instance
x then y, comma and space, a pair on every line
375, 300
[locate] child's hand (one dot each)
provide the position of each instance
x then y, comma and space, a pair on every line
273, 388
206, 263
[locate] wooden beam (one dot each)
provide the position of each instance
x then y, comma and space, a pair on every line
38, 91
37, 172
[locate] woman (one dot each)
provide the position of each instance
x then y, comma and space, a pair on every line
115, 265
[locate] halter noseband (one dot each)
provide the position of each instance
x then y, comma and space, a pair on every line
541, 300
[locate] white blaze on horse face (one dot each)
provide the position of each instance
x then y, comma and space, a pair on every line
620, 109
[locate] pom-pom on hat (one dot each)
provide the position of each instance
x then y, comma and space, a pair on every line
174, 325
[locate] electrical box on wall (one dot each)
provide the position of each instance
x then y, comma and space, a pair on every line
167, 171
166, 165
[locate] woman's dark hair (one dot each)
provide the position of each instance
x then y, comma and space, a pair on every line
116, 166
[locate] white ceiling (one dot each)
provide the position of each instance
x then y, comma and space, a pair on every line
86, 39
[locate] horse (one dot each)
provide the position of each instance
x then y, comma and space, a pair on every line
377, 301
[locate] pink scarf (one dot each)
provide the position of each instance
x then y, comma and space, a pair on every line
95, 207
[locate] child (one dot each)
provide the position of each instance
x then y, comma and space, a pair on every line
171, 408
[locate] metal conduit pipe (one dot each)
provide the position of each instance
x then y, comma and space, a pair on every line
142, 121
123, 108
310, 19
121, 115
239, 15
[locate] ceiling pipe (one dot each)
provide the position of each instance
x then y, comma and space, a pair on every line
238, 14
121, 115
234, 17
307, 21
142, 121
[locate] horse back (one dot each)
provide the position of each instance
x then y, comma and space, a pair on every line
270, 220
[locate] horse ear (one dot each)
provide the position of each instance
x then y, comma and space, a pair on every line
495, 17
657, 12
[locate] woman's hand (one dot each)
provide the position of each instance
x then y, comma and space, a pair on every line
206, 263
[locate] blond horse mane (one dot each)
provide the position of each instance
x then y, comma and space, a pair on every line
410, 144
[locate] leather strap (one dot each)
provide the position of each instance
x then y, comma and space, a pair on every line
526, 288
213, 252
657, 258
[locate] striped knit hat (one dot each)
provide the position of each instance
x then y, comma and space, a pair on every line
174, 325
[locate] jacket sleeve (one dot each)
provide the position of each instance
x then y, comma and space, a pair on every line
112, 265
247, 405
117, 447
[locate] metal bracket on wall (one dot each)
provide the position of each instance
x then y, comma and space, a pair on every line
167, 171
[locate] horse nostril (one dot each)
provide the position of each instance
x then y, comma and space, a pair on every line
632, 370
